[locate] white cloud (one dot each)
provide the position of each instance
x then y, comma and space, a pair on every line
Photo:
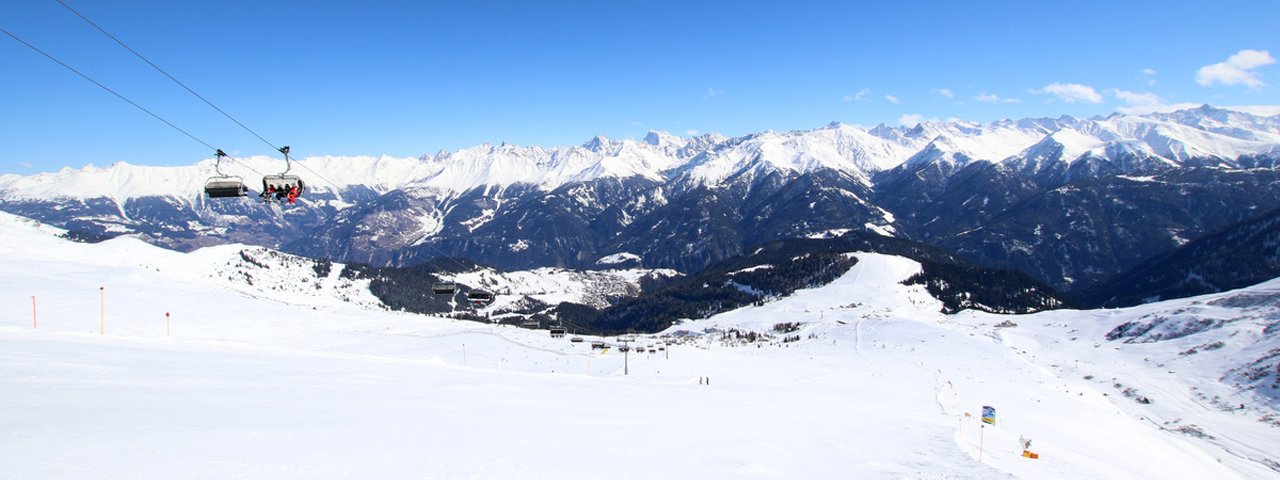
993, 98
943, 92
1143, 103
1071, 92
910, 119
26, 164
1135, 98
892, 99
712, 92
691, 133
1236, 70
858, 97
1154, 108
987, 98
1150, 73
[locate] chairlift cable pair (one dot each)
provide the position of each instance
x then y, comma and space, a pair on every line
171, 77
219, 185
108, 89
282, 178
222, 184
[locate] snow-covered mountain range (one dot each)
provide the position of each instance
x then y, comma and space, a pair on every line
1202, 136
1070, 201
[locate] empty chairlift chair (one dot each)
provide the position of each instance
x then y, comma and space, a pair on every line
223, 185
444, 288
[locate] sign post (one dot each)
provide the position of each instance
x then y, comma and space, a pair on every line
989, 415
981, 435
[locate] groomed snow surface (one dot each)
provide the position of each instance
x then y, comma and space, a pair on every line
879, 385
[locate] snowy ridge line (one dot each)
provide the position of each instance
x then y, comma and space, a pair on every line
1201, 135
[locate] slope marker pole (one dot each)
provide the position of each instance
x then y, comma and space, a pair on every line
102, 310
981, 435
34, 325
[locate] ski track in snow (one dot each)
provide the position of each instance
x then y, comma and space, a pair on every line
880, 385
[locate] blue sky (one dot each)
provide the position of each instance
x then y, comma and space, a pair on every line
410, 78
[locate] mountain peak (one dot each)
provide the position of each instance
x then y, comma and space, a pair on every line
598, 143
662, 139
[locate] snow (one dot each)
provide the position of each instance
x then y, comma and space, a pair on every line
886, 230
831, 233
620, 257
267, 383
557, 285
1143, 178
751, 269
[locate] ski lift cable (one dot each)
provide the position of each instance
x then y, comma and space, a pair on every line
108, 89
242, 163
188, 89
444, 255
126, 99
321, 177
171, 77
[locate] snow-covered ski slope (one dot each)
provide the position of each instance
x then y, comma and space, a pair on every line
877, 386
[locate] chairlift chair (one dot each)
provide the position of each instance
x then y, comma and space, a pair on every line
480, 297
223, 185
444, 288
225, 188
558, 332
283, 180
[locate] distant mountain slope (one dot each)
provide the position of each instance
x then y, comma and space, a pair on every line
1240, 255
777, 269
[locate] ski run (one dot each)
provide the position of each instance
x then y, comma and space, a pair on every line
123, 360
